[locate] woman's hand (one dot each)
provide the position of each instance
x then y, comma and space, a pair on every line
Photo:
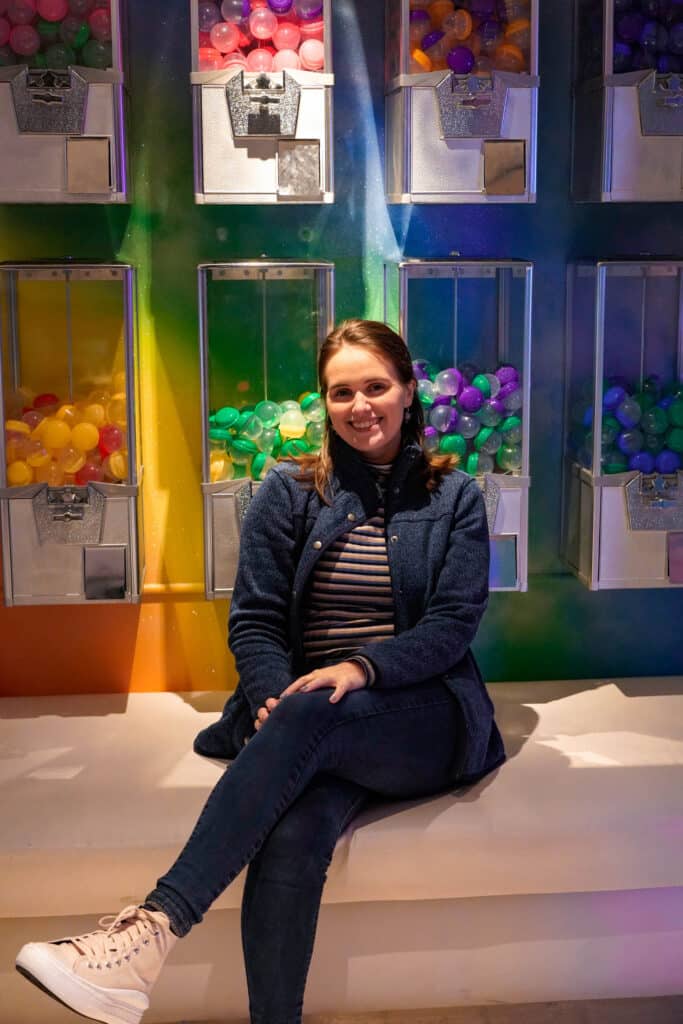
343, 677
263, 712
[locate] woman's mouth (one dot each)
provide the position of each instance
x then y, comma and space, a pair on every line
363, 425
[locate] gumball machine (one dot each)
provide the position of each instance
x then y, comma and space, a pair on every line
62, 102
262, 87
468, 326
623, 493
461, 101
261, 325
69, 465
628, 101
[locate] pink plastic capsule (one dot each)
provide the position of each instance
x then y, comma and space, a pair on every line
260, 60
209, 59
313, 29
236, 59
286, 60
100, 24
21, 12
286, 36
262, 23
312, 55
24, 40
225, 36
53, 10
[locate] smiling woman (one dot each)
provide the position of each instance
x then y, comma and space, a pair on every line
362, 578
367, 401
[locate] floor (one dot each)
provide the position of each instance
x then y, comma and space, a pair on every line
663, 1010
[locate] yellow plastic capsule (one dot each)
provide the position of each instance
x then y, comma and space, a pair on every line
17, 427
85, 436
54, 433
71, 460
68, 413
19, 474
94, 412
116, 465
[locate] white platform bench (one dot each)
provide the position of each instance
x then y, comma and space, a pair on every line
559, 877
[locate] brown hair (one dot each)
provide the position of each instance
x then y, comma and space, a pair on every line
316, 468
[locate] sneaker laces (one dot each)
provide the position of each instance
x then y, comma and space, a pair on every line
119, 933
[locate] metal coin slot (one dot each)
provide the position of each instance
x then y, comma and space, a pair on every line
654, 502
52, 102
263, 105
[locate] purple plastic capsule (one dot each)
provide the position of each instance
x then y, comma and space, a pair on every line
644, 462
629, 26
482, 8
654, 38
507, 389
279, 6
471, 399
507, 373
668, 461
613, 397
431, 39
460, 60
621, 59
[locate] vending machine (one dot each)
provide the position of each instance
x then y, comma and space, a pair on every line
262, 100
468, 326
62, 102
623, 493
461, 101
628, 101
70, 470
262, 323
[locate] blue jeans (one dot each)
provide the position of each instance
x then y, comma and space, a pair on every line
280, 807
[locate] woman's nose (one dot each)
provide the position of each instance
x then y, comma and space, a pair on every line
359, 401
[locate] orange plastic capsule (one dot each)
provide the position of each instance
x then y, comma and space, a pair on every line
509, 57
419, 61
458, 25
518, 33
438, 10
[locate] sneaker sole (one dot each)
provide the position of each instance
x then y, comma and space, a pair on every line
111, 1006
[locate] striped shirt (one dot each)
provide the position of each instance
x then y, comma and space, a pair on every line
350, 602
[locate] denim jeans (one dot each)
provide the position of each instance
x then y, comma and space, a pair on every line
280, 807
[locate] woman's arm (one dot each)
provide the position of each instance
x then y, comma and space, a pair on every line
443, 635
259, 611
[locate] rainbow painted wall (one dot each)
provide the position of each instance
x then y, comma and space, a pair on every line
175, 639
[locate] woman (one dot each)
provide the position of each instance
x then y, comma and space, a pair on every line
363, 571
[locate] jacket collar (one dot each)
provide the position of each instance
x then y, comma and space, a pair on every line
352, 473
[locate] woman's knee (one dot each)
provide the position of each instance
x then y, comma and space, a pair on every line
307, 711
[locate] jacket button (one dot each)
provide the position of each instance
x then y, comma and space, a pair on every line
393, 538
317, 544
351, 517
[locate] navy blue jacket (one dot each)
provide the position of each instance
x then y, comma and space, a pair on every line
438, 549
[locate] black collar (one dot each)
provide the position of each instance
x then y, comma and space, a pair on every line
351, 472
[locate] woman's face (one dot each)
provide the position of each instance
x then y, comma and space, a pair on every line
366, 401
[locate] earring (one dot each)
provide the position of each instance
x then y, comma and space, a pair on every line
406, 414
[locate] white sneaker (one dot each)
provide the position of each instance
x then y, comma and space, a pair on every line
106, 974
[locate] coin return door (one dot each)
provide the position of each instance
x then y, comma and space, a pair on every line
62, 132
69, 467
471, 320
628, 102
461, 114
623, 496
261, 325
264, 136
